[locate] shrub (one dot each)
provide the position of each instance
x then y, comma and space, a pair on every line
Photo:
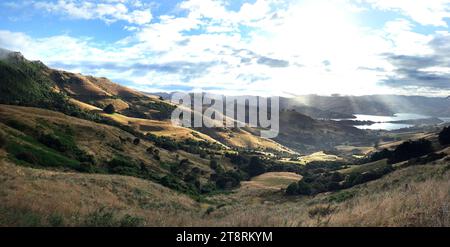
359, 178
256, 167
236, 159
411, 149
41, 156
427, 159
208, 188
163, 110
333, 186
109, 109
136, 141
213, 164
2, 140
122, 166
191, 178
444, 136
383, 154
65, 144
321, 211
304, 188
104, 217
184, 164
27, 157
157, 157
17, 125
54, 142
228, 180
55, 220
292, 189
175, 183
209, 211
131, 221
163, 142
336, 177
342, 196
155, 153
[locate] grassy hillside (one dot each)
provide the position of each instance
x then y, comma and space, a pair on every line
415, 196
33, 197
66, 162
308, 135
49, 140
34, 84
76, 183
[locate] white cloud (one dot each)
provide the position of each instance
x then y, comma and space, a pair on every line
425, 12
271, 46
404, 40
107, 10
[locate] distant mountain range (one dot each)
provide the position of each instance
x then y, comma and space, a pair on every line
304, 124
345, 107
32, 83
383, 105
67, 138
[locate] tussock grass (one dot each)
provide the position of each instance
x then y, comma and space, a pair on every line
414, 196
273, 180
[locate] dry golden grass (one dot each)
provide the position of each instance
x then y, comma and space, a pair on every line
84, 106
119, 105
365, 167
159, 128
81, 86
113, 88
413, 203
272, 180
238, 138
414, 196
78, 86
407, 136
97, 139
350, 149
317, 156
243, 139
74, 195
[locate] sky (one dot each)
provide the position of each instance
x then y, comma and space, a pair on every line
263, 47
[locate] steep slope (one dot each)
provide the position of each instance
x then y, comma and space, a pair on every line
50, 140
305, 134
33, 197
34, 84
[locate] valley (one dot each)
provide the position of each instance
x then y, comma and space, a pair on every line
79, 150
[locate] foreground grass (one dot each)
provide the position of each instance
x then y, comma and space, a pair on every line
414, 196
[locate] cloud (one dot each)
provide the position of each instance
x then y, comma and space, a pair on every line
107, 11
187, 69
270, 46
271, 62
430, 71
425, 12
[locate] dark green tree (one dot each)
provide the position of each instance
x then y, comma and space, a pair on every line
136, 141
304, 188
292, 189
110, 109
444, 136
411, 149
256, 167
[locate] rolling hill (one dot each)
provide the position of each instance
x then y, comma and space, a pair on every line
31, 83
66, 162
